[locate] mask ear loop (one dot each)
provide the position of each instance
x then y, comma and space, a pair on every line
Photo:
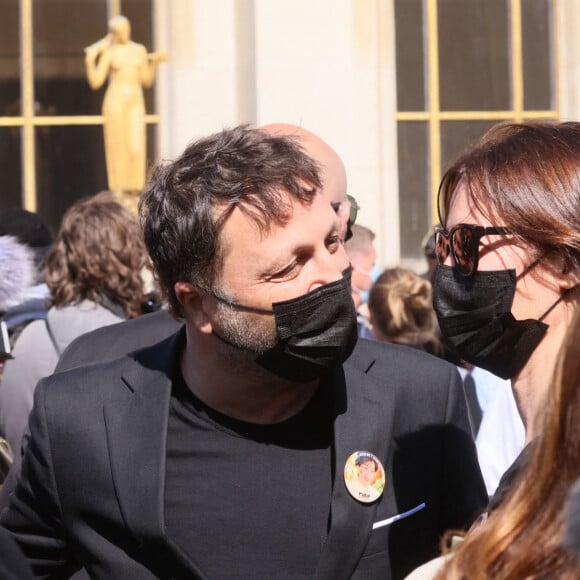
560, 298
238, 306
368, 273
530, 267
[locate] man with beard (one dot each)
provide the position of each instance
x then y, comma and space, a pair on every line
220, 452
112, 341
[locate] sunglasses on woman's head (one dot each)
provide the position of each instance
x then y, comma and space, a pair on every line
462, 241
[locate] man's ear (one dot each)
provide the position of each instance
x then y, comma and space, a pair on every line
192, 302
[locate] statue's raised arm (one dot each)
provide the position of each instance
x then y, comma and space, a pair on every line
97, 72
130, 69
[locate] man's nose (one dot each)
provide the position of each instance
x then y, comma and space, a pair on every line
330, 269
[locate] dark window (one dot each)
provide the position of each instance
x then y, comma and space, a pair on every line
474, 55
69, 157
414, 186
477, 85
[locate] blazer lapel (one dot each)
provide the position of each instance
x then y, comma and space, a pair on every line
364, 422
137, 439
137, 433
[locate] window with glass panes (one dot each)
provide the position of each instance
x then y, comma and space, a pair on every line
51, 138
463, 66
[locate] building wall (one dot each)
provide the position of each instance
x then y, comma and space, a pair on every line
327, 65
568, 73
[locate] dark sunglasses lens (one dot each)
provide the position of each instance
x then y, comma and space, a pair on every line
462, 244
441, 247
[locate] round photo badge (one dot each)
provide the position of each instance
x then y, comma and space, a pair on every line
364, 476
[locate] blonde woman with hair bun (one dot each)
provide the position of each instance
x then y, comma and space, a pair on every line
401, 311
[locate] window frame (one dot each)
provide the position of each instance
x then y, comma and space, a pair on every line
433, 115
28, 121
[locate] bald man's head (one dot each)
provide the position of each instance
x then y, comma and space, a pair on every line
332, 170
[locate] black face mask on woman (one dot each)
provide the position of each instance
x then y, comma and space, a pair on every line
475, 318
316, 332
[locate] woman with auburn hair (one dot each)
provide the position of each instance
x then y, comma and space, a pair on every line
507, 284
94, 274
401, 310
523, 538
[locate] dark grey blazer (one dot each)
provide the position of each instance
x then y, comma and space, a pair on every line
110, 342
12, 563
100, 345
91, 488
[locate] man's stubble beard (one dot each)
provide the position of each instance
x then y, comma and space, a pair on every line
244, 337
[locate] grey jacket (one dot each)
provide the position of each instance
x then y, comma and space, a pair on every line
36, 353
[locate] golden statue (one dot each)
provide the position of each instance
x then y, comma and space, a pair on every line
131, 69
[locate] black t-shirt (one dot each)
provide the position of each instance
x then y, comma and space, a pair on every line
247, 500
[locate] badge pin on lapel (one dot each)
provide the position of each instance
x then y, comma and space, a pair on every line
364, 476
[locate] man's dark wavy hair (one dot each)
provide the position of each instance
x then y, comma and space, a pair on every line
187, 202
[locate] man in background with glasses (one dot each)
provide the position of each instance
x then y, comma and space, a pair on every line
362, 254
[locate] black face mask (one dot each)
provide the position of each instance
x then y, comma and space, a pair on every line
476, 321
316, 332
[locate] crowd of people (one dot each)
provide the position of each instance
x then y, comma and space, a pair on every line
289, 409
94, 274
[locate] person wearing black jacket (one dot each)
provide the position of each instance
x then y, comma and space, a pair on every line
223, 451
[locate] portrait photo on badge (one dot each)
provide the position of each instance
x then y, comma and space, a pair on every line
364, 476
